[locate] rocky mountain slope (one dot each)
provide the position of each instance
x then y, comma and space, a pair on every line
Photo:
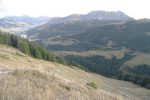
94, 15
26, 78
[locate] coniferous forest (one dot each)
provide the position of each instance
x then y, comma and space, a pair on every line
29, 48
113, 68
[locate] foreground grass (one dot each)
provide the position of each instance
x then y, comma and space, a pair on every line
24, 85
33, 79
34, 85
3, 56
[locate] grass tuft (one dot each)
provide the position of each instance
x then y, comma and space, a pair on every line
65, 87
92, 84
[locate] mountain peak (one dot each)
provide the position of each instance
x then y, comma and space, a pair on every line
108, 15
94, 15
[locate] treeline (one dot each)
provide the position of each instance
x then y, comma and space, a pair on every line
100, 64
29, 48
137, 74
113, 68
138, 79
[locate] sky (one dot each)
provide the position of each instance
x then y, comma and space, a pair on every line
59, 8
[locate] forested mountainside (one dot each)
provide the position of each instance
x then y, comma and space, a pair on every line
133, 35
102, 44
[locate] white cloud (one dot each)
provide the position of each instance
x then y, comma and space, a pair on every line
134, 8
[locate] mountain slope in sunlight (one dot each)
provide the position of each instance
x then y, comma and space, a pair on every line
26, 78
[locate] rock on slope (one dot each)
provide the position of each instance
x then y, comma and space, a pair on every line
32, 79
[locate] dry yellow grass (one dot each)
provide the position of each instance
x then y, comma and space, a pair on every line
139, 59
32, 79
57, 41
106, 54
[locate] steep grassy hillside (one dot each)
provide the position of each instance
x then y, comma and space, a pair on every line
23, 77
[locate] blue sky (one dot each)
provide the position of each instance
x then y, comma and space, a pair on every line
134, 8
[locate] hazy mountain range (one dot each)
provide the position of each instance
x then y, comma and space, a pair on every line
16, 24
29, 20
94, 15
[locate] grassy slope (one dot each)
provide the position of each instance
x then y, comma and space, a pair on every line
140, 59
106, 54
32, 79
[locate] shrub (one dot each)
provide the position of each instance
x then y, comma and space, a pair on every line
92, 84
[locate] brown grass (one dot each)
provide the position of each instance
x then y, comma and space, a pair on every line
55, 41
3, 56
26, 85
106, 54
33, 79
139, 59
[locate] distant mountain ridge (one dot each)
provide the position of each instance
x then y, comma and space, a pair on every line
104, 15
9, 23
28, 19
94, 15
77, 23
17, 24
